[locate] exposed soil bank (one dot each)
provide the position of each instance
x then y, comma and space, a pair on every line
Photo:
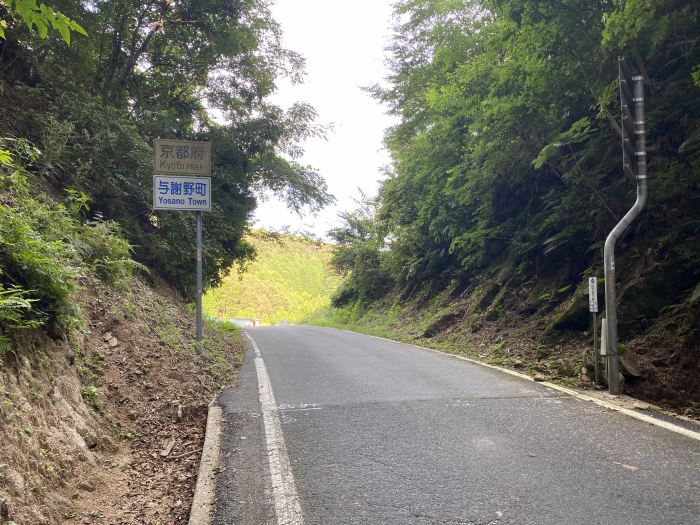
105, 424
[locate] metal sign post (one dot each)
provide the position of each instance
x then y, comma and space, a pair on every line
198, 334
593, 307
180, 183
631, 94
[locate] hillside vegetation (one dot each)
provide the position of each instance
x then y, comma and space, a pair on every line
84, 117
96, 359
103, 389
507, 177
290, 279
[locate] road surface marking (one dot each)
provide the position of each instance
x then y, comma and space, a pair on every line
600, 402
284, 490
301, 406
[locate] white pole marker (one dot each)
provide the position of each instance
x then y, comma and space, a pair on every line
284, 490
593, 294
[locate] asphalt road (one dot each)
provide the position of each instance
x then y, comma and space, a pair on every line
378, 432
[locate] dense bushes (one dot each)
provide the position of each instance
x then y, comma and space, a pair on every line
45, 247
506, 159
357, 255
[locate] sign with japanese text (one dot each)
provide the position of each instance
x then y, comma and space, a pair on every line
182, 157
592, 294
175, 192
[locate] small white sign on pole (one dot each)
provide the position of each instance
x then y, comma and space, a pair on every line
592, 294
173, 192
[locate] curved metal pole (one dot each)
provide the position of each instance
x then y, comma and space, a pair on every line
618, 230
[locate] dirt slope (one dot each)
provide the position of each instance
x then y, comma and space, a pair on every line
105, 424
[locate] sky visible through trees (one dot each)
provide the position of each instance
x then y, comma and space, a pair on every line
344, 47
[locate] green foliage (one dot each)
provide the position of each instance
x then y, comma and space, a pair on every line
578, 132
359, 318
35, 256
78, 201
5, 157
358, 254
92, 395
44, 248
14, 309
40, 17
289, 280
5, 347
107, 252
94, 108
506, 158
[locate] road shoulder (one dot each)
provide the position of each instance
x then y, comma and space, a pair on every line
243, 487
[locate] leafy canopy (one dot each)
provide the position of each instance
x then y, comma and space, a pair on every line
161, 69
39, 18
506, 158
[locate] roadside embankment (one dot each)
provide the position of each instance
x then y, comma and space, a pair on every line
105, 423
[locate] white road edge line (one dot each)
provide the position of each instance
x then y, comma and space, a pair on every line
611, 406
284, 490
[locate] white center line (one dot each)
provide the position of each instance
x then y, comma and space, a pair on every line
284, 490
